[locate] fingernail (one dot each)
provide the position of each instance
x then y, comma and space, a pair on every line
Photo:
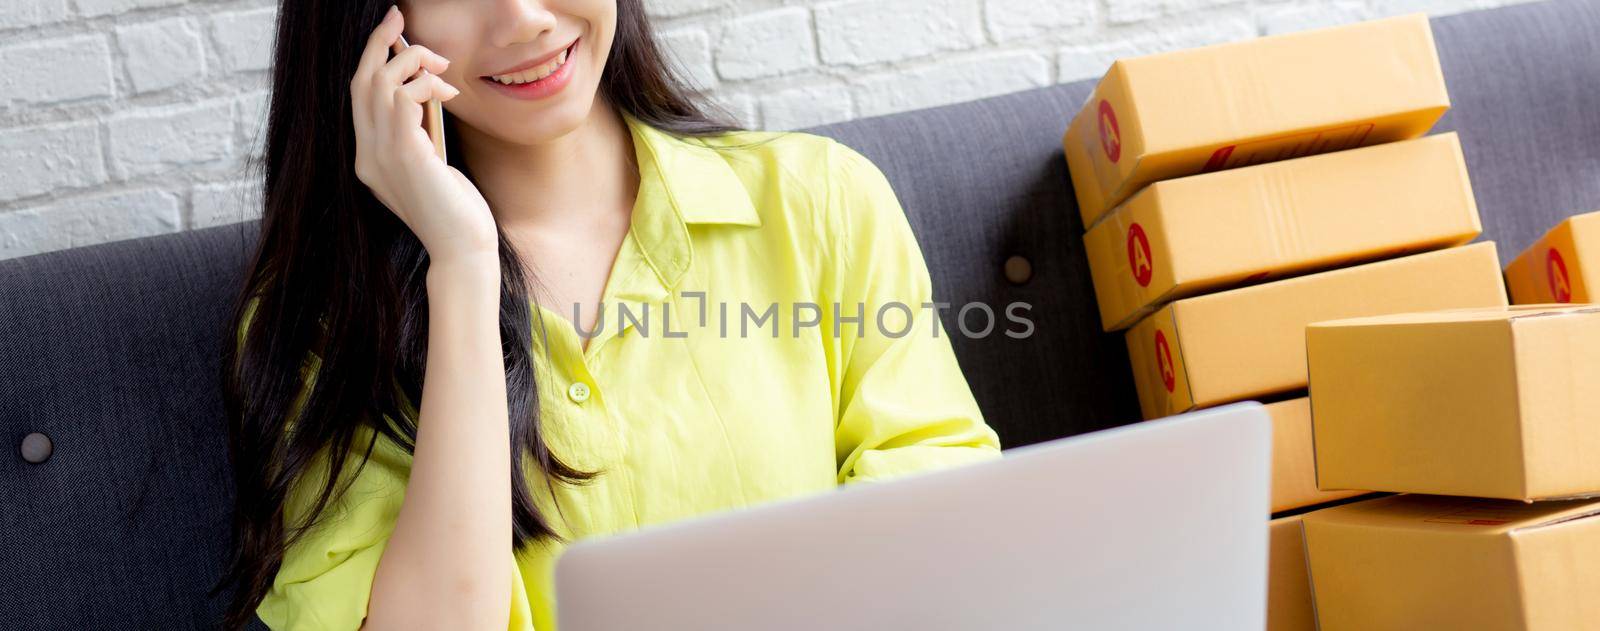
393, 9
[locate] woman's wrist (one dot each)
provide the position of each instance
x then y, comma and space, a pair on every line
479, 271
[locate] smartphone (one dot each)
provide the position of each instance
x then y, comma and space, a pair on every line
432, 111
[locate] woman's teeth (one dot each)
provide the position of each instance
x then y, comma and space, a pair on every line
535, 73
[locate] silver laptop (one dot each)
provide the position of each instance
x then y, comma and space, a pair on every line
1152, 526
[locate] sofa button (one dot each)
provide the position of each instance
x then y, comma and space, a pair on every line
1018, 270
36, 448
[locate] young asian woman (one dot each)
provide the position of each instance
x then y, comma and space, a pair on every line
429, 387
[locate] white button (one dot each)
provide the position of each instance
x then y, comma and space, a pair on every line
578, 392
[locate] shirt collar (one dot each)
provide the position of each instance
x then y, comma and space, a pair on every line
697, 186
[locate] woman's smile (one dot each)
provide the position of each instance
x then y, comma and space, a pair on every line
537, 81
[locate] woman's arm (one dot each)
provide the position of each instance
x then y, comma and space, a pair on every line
904, 405
447, 563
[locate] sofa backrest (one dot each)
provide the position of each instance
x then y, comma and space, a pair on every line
111, 351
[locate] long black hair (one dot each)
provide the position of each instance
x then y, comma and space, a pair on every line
333, 264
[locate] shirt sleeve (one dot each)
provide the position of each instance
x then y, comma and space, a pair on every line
902, 403
325, 580
326, 575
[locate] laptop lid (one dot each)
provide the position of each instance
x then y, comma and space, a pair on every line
1156, 525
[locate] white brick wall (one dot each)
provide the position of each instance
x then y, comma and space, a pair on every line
128, 118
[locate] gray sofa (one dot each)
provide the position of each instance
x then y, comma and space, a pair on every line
111, 351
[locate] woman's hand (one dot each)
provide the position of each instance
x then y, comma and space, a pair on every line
395, 158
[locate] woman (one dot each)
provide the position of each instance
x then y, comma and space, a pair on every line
584, 180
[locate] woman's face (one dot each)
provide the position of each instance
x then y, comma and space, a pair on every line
517, 41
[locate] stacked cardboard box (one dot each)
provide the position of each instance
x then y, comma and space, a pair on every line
1218, 107
1193, 235
1228, 204
1409, 562
1294, 473
1289, 605
1486, 420
1553, 268
1249, 343
1233, 194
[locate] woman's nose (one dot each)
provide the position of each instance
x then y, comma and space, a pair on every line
520, 21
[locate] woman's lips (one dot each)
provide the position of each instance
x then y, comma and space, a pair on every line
544, 87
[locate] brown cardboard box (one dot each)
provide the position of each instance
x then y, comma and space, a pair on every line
1250, 342
1197, 234
1228, 105
1294, 467
1414, 562
1553, 268
1500, 402
1288, 587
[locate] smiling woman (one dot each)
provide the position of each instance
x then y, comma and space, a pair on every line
413, 414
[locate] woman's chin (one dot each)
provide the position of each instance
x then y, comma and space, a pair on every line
552, 122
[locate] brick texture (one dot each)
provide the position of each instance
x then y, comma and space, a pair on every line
126, 118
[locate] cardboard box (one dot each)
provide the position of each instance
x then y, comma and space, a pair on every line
1288, 586
1270, 98
1182, 237
1294, 466
1409, 562
1500, 403
1552, 269
1250, 342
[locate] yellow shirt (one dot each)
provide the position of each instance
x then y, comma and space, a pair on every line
709, 401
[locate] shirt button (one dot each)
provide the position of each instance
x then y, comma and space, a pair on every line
578, 392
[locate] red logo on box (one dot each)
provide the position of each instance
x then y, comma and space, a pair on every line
1556, 270
1110, 134
1139, 255
1169, 376
1288, 146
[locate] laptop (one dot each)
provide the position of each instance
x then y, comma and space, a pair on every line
1156, 525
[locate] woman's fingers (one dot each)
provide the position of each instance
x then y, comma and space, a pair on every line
373, 57
406, 64
377, 48
425, 88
